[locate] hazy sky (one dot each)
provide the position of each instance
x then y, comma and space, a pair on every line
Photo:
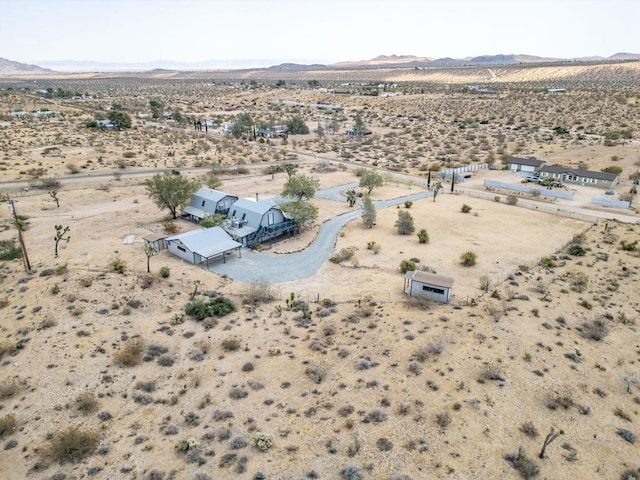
312, 30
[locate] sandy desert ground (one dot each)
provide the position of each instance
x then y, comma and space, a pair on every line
365, 383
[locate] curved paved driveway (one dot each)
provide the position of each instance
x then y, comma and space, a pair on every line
278, 268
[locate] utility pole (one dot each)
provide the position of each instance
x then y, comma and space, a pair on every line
25, 257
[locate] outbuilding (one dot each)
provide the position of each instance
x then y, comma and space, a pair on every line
528, 165
422, 284
202, 246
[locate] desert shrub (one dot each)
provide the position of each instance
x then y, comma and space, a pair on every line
72, 445
407, 266
468, 258
262, 441
579, 281
511, 200
491, 371
118, 265
231, 344
9, 387
259, 291
315, 373
577, 250
238, 393
146, 386
375, 416
221, 415
86, 403
384, 444
627, 435
238, 443
631, 474
423, 236
9, 250
415, 368
131, 353
485, 283
548, 262
443, 420
344, 255
629, 246
165, 272
529, 429
408, 204
8, 424
7, 347
596, 329
525, 466
216, 307
465, 208
351, 472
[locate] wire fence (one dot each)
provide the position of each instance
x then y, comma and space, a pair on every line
541, 207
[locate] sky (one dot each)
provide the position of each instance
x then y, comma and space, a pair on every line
306, 31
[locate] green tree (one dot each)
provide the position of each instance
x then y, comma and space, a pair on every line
213, 220
352, 197
369, 213
213, 181
243, 125
170, 191
60, 235
300, 187
120, 120
296, 126
359, 127
157, 108
371, 179
313, 83
404, 223
304, 213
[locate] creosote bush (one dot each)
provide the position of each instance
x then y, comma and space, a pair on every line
526, 467
465, 208
118, 265
72, 445
131, 353
8, 424
468, 258
216, 307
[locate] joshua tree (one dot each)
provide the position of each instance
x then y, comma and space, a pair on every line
150, 250
436, 188
196, 284
351, 197
551, 436
60, 235
54, 194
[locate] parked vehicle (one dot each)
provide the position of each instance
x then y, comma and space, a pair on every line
533, 179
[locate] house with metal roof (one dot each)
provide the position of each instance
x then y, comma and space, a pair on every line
252, 222
577, 176
428, 285
202, 246
207, 201
528, 165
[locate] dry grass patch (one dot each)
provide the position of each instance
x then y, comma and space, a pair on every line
72, 445
131, 353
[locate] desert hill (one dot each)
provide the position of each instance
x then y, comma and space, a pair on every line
9, 67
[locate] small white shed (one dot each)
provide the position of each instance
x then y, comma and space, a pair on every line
201, 246
428, 285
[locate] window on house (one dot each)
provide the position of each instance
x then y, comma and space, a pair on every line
426, 288
203, 202
181, 248
270, 219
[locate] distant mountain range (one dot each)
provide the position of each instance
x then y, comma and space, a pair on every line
8, 67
